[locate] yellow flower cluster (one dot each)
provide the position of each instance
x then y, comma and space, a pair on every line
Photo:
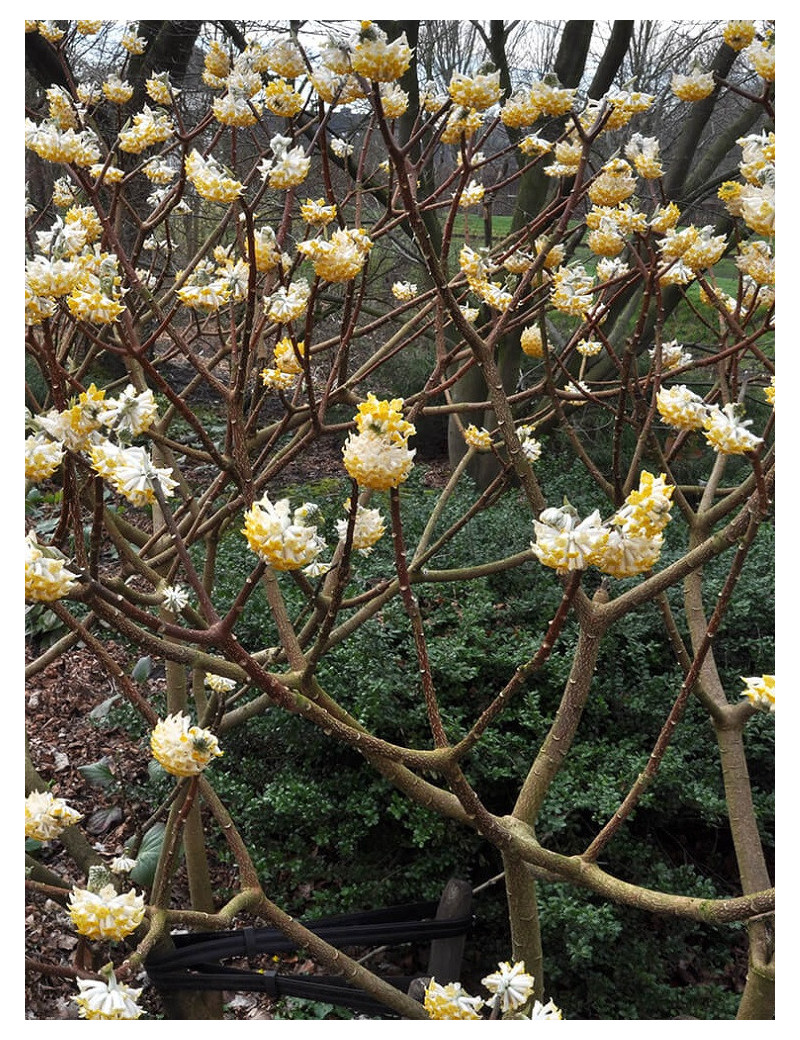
288, 167
552, 100
727, 433
566, 544
117, 90
207, 288
339, 258
404, 290
534, 145
235, 109
680, 407
572, 289
131, 472
605, 239
180, 748
613, 185
480, 439
159, 89
42, 457
696, 248
624, 106
317, 212
450, 1002
756, 260
378, 456
47, 816
531, 341
739, 34
282, 99
664, 218
46, 577
471, 195
209, 179
369, 528
287, 365
74, 425
760, 691
762, 57
461, 122
284, 58
394, 101
280, 537
51, 143
519, 111
288, 303
627, 544
216, 65
130, 413
643, 152
107, 1001
477, 274
376, 59
105, 914
692, 87
478, 92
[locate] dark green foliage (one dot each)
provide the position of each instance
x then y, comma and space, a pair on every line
330, 835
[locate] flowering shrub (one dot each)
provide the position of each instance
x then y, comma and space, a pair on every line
234, 256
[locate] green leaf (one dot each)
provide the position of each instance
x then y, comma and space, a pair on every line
98, 774
141, 669
101, 710
149, 851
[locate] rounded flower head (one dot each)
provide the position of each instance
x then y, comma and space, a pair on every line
375, 461
368, 530
762, 57
47, 816
531, 341
317, 212
614, 184
180, 748
209, 179
130, 412
376, 59
42, 457
480, 439
284, 57
625, 555
281, 538
680, 407
46, 577
339, 258
288, 167
727, 433
105, 914
739, 34
565, 544
760, 691
646, 509
694, 87
478, 92
511, 985
450, 1002
404, 290
107, 1001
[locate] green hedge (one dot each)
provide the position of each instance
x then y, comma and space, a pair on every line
329, 835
